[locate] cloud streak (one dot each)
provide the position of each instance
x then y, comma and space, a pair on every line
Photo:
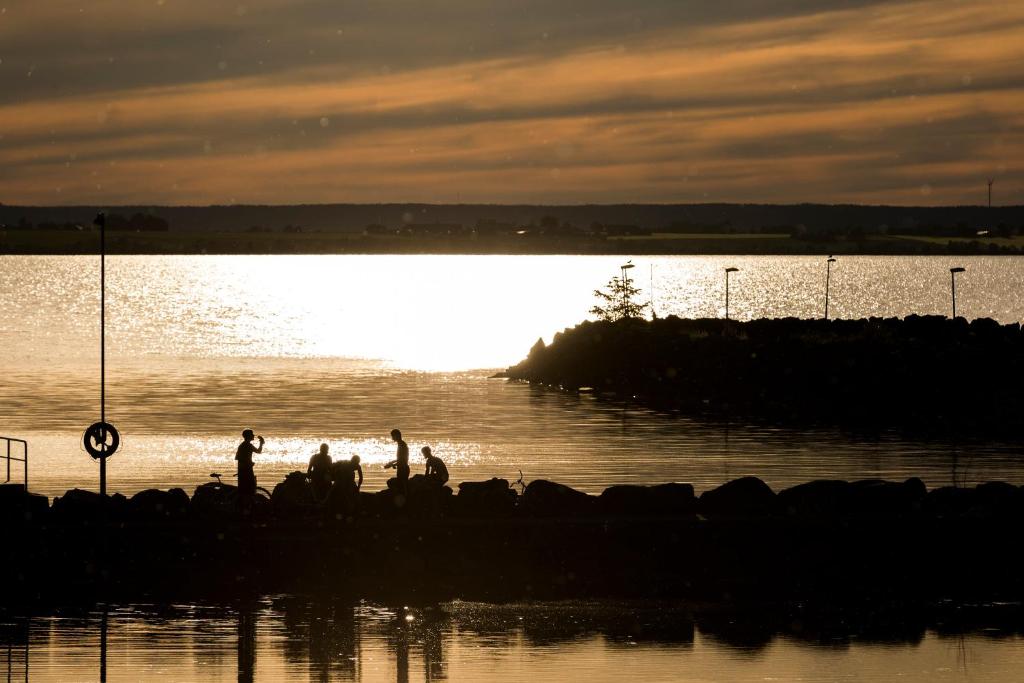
913, 102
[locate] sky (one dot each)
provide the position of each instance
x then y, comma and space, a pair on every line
528, 101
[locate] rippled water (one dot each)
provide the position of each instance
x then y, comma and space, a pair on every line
342, 348
290, 639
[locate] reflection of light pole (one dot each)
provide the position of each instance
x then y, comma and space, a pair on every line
625, 285
952, 285
828, 273
727, 271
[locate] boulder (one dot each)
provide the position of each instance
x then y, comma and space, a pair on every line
828, 498
427, 497
484, 499
997, 499
17, 505
83, 507
657, 501
878, 499
154, 505
214, 500
950, 502
374, 504
293, 497
544, 498
743, 497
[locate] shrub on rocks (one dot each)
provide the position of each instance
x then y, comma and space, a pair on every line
544, 498
661, 500
743, 497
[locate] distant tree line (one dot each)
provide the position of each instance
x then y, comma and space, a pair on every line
138, 222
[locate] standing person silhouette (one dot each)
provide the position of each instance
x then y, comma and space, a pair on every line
400, 463
319, 473
246, 475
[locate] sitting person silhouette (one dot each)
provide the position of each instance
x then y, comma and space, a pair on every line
346, 487
246, 474
400, 464
319, 473
436, 471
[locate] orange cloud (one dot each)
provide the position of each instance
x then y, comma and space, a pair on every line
859, 105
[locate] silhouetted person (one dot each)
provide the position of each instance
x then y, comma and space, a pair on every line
348, 479
436, 471
246, 475
319, 473
400, 463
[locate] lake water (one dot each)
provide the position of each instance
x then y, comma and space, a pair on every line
306, 349
278, 639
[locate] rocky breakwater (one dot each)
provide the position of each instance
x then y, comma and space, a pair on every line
925, 372
829, 540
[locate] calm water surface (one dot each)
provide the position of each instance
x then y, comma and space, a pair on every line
342, 348
279, 639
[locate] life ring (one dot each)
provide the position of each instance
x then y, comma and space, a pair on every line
98, 435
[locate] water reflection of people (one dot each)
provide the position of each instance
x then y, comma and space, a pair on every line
246, 644
433, 654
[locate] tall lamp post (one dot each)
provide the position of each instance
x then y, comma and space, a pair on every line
828, 275
952, 285
625, 284
727, 271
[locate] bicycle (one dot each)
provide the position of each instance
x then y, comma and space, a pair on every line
260, 491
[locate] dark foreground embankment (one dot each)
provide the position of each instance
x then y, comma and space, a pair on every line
830, 541
928, 373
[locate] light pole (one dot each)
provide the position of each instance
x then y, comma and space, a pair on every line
727, 271
625, 285
828, 274
952, 285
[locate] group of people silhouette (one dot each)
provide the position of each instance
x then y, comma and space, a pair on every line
341, 479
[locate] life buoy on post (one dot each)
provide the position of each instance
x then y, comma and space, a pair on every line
98, 435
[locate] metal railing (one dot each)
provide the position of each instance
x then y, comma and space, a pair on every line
10, 458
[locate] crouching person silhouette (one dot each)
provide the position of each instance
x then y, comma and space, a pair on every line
348, 479
319, 473
436, 472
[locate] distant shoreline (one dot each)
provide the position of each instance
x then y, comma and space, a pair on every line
86, 242
612, 229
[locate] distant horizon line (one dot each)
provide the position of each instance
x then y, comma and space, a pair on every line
516, 204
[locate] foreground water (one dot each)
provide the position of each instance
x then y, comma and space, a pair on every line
283, 638
343, 348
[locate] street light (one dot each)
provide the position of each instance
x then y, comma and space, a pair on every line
828, 274
727, 271
952, 285
625, 284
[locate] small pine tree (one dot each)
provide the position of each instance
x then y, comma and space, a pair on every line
618, 302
